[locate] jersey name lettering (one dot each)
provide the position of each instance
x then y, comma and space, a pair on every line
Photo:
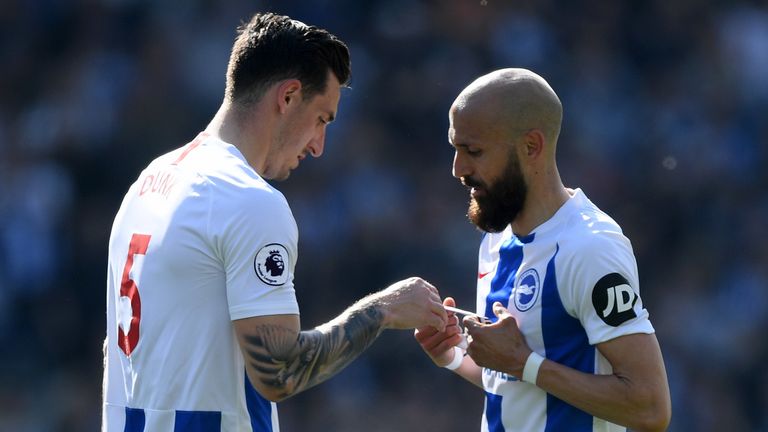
160, 182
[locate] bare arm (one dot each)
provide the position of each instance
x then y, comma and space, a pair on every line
470, 371
635, 395
281, 360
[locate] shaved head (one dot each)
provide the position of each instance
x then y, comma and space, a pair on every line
511, 100
504, 127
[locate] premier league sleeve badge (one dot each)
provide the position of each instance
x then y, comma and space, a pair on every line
270, 264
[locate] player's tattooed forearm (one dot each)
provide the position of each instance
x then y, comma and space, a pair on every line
291, 364
363, 327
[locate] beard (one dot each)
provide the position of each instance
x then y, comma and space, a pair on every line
502, 202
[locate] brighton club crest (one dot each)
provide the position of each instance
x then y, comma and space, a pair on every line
527, 289
270, 263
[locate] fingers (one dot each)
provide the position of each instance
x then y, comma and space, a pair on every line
504, 319
422, 333
431, 288
445, 345
441, 316
449, 301
500, 311
431, 340
428, 330
471, 321
437, 344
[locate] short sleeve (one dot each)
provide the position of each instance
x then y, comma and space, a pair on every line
256, 237
601, 286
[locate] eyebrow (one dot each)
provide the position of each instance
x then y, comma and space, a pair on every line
460, 145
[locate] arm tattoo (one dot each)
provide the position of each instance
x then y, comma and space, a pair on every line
290, 365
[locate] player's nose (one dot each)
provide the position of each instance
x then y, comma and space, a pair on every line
317, 144
460, 167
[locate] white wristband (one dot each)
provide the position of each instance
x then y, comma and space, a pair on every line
531, 369
458, 358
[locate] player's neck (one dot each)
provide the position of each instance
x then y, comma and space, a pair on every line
542, 202
244, 131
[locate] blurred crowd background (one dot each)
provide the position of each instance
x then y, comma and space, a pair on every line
665, 128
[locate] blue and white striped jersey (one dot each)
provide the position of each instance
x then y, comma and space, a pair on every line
570, 284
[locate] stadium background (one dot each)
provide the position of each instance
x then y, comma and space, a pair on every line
665, 128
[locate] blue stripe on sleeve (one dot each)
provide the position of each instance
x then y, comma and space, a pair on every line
197, 421
493, 412
565, 342
259, 409
134, 420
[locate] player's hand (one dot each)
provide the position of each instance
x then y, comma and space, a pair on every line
499, 346
438, 344
412, 303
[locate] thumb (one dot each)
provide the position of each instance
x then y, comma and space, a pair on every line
470, 322
500, 311
449, 301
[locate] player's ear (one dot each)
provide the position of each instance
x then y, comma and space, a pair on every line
533, 142
288, 94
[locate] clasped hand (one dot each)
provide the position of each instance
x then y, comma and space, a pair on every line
499, 346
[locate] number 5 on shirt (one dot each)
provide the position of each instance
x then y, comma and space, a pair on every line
129, 302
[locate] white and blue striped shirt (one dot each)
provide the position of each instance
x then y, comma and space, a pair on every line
570, 284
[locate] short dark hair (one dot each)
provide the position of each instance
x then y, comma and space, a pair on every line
271, 48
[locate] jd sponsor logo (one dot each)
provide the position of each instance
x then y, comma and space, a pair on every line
614, 299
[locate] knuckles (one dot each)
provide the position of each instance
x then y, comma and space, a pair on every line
508, 321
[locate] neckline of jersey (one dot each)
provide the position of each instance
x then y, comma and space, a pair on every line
560, 214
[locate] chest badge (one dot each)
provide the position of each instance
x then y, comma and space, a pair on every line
527, 288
